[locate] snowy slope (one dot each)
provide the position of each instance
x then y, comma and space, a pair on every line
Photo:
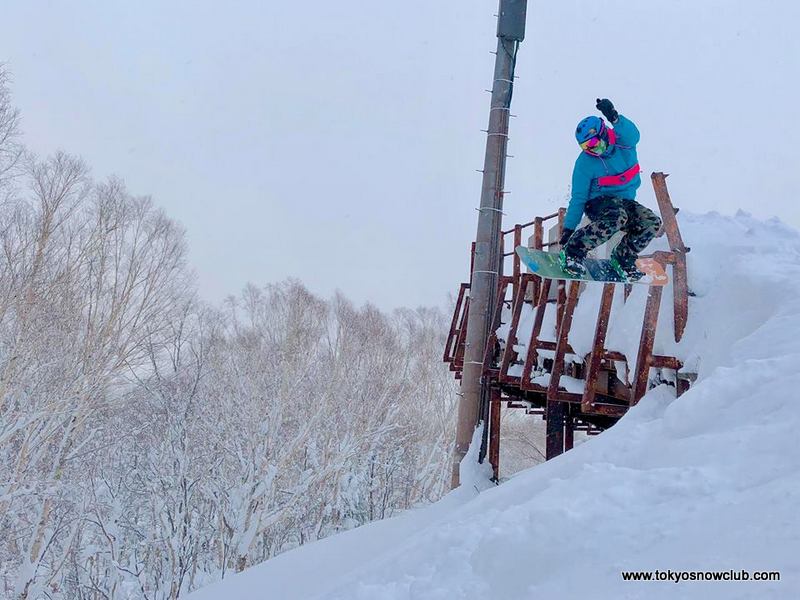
709, 481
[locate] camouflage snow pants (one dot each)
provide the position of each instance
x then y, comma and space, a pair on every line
608, 215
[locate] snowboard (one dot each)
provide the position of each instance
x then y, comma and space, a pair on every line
548, 265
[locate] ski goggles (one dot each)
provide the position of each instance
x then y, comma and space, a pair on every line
594, 145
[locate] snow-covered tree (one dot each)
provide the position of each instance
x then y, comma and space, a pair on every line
151, 443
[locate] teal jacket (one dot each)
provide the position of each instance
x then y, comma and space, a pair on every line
618, 158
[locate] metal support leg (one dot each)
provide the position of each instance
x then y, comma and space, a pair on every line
569, 429
646, 343
596, 357
511, 341
554, 444
494, 434
562, 341
531, 357
680, 284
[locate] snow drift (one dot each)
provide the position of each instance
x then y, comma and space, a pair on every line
706, 482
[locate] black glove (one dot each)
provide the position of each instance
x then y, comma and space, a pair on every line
565, 235
605, 107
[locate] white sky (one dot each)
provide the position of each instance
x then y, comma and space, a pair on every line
311, 139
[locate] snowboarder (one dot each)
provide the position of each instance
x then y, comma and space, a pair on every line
604, 184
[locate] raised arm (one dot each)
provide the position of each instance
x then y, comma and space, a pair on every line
626, 130
627, 133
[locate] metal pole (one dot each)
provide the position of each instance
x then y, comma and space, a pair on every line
488, 256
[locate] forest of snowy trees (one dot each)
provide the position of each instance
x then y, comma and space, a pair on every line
151, 443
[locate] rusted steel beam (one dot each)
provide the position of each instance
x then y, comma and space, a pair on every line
537, 389
449, 348
554, 442
538, 233
680, 288
458, 359
618, 388
523, 226
627, 289
500, 259
491, 343
614, 355
527, 369
502, 249
519, 300
665, 258
547, 345
531, 355
668, 212
538, 238
644, 356
534, 288
471, 261
512, 404
567, 397
561, 295
596, 357
680, 284
665, 362
598, 408
494, 433
561, 301
569, 429
561, 342
517, 242
608, 410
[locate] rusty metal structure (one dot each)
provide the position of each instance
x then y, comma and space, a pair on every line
572, 393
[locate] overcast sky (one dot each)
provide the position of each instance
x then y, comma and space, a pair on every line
337, 142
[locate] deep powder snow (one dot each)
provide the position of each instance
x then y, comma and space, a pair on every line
709, 481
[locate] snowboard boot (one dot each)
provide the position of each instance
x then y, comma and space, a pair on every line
627, 269
572, 264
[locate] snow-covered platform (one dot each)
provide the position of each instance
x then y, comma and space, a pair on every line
558, 350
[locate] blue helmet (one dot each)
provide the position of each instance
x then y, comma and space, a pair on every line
590, 127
